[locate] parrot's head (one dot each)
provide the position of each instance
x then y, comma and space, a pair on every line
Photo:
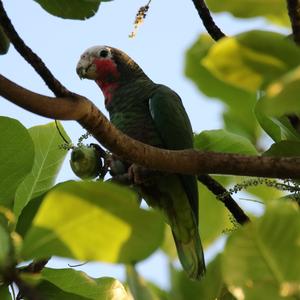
109, 67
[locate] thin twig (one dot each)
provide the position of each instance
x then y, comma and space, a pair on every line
36, 266
33, 59
222, 195
214, 31
294, 14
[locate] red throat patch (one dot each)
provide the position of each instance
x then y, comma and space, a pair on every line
108, 76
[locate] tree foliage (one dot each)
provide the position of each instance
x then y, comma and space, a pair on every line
256, 75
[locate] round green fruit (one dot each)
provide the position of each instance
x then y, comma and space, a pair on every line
86, 162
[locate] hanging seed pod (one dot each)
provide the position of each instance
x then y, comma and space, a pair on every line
86, 162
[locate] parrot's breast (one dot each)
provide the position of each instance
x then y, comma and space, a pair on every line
129, 112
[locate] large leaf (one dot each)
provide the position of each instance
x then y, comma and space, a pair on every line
49, 291
223, 141
284, 148
269, 126
138, 285
93, 221
211, 287
16, 157
238, 101
27, 215
278, 128
4, 293
5, 247
282, 96
261, 260
48, 160
274, 10
213, 216
75, 9
252, 60
78, 283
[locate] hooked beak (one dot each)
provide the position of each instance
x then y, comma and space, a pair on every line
80, 71
86, 69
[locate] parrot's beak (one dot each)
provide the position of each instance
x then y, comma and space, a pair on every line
80, 71
86, 69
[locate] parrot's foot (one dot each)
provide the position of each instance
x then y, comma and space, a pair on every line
141, 176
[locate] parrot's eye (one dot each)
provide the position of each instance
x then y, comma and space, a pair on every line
103, 53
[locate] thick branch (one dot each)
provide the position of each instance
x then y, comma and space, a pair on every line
67, 108
294, 14
216, 188
190, 161
207, 20
34, 60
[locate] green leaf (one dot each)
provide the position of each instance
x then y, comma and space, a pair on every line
49, 291
223, 141
284, 148
168, 245
4, 293
269, 126
261, 260
240, 119
93, 221
138, 285
277, 128
48, 160
210, 85
273, 10
75, 9
78, 283
27, 215
252, 60
5, 247
16, 157
205, 80
213, 216
4, 42
210, 287
281, 97
161, 294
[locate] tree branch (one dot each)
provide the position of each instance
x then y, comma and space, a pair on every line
80, 109
294, 14
207, 20
216, 188
34, 60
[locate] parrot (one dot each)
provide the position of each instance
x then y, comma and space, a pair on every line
153, 114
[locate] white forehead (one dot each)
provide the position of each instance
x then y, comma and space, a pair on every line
95, 50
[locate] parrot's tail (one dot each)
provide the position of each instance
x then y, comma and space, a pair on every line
191, 255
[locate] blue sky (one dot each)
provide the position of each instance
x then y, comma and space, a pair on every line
159, 48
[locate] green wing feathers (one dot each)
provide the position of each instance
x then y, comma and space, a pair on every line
178, 193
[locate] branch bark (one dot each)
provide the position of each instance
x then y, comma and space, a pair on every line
294, 14
82, 110
214, 31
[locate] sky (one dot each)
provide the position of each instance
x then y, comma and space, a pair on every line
169, 30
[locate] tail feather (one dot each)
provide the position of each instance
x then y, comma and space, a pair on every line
191, 255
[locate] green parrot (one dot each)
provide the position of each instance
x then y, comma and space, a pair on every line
153, 114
